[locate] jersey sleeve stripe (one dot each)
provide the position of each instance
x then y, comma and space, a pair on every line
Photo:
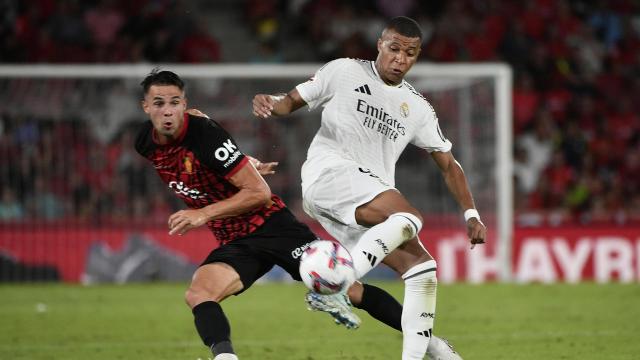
237, 168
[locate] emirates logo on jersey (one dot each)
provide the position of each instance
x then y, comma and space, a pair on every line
404, 110
377, 119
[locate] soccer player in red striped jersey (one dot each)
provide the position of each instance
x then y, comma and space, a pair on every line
224, 189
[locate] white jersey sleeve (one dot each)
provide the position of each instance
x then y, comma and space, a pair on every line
319, 90
430, 137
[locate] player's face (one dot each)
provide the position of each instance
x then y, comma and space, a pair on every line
396, 55
165, 105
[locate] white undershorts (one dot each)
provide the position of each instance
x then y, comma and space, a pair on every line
333, 197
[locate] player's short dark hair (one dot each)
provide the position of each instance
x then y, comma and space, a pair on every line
161, 77
405, 26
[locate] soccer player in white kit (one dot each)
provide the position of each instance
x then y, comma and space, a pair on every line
369, 116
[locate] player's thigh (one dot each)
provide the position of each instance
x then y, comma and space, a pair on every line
282, 241
406, 256
213, 282
340, 190
237, 267
382, 206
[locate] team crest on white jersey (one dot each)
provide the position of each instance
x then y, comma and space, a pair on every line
404, 110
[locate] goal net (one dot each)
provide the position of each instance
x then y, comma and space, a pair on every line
66, 156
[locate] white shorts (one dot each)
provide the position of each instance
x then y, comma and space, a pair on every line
333, 198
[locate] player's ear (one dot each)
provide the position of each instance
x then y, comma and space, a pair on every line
145, 106
383, 35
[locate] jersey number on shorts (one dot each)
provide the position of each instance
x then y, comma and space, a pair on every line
368, 172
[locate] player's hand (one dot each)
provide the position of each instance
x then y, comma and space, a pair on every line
184, 220
476, 231
196, 112
267, 168
263, 105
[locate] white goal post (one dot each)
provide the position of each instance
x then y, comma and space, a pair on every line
457, 80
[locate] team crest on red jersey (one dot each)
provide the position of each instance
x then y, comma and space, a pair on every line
187, 163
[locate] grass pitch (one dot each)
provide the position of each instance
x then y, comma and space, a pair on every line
270, 322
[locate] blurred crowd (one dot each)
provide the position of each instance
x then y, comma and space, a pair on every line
103, 31
54, 170
576, 95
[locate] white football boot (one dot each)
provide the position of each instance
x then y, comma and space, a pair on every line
337, 305
440, 349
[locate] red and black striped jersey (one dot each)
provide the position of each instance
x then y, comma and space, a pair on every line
197, 167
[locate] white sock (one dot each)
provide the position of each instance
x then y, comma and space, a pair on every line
418, 309
380, 240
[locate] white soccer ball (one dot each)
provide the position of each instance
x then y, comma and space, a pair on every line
326, 267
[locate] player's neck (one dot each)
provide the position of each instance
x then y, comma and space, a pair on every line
382, 77
161, 139
175, 137
164, 140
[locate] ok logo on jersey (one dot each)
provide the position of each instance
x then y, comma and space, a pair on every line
223, 152
227, 153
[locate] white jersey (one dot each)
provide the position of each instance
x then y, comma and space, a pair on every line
365, 120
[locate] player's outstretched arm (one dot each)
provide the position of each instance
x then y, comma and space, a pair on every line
458, 186
253, 193
265, 105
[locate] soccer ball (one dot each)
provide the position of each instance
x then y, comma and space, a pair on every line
326, 267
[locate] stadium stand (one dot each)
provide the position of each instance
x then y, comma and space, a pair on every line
576, 91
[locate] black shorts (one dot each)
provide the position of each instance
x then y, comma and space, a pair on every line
279, 241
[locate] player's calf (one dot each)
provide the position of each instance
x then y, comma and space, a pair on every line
419, 307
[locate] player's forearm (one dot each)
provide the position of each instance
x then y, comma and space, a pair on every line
242, 202
283, 104
457, 184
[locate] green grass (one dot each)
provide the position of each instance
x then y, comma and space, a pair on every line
270, 322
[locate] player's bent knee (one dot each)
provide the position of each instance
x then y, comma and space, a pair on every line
191, 298
194, 296
213, 282
410, 222
197, 295
423, 274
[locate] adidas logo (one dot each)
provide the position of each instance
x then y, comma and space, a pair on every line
372, 258
363, 89
426, 333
